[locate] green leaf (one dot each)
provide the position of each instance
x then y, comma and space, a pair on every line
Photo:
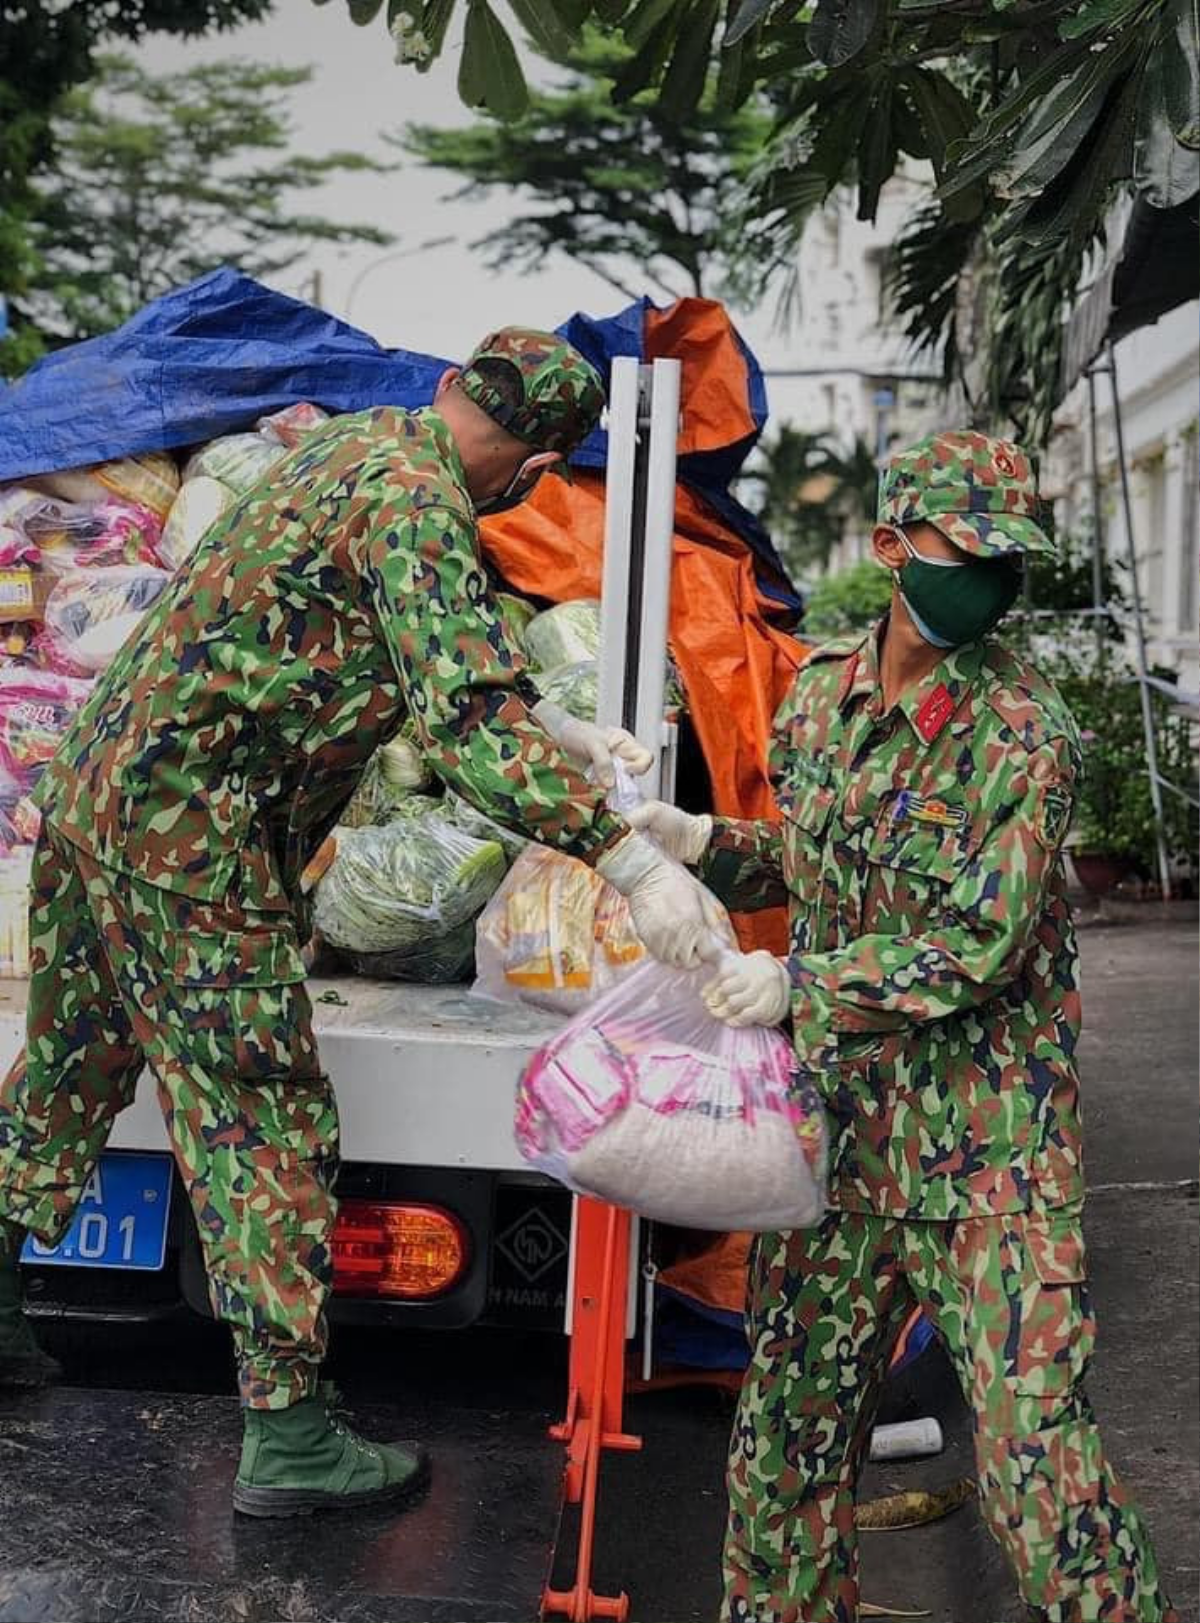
1179, 59
876, 151
946, 117
489, 74
840, 29
550, 34
750, 14
435, 20
645, 20
687, 75
1096, 16
643, 68
363, 12
1165, 170
611, 12
1050, 138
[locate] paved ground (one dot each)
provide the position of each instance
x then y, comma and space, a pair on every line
663, 1510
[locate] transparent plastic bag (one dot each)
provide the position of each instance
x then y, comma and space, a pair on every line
150, 480
450, 957
567, 634
16, 864
649, 1102
293, 424
237, 460
555, 935
402, 887
94, 612
575, 687
94, 535
200, 503
472, 821
36, 708
395, 773
17, 505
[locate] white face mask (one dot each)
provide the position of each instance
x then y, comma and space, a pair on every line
518, 488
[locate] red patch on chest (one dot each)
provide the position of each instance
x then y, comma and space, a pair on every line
934, 713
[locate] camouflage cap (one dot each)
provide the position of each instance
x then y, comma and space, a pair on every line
980, 493
562, 395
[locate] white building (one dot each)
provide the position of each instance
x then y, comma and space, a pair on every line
1158, 375
843, 367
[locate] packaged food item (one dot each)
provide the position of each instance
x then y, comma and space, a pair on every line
95, 611
293, 424
200, 503
567, 634
17, 504
94, 535
555, 935
15, 867
237, 460
647, 1101
402, 887
36, 708
149, 480
23, 594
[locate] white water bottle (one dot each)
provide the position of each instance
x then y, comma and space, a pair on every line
906, 1439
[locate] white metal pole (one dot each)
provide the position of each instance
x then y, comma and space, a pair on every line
618, 520
656, 586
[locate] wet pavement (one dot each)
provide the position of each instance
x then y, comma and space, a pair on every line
116, 1506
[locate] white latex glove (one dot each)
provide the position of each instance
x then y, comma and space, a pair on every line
590, 745
679, 922
749, 989
676, 832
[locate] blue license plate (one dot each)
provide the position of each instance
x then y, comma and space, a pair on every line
122, 1218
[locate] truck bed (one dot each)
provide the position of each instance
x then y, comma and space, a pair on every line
425, 1075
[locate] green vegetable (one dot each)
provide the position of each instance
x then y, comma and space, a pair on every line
403, 887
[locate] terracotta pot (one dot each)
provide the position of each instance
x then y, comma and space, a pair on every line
1099, 872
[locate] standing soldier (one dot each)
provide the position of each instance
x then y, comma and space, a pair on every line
339, 596
925, 775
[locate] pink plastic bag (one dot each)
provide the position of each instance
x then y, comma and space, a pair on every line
647, 1101
36, 708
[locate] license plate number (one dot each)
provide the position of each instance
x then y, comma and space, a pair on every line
122, 1218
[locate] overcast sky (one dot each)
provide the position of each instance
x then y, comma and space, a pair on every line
439, 300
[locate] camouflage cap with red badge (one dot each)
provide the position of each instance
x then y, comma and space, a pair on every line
980, 493
560, 393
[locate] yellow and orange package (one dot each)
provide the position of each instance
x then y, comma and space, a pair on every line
555, 935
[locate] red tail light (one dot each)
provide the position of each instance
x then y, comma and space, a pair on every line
406, 1251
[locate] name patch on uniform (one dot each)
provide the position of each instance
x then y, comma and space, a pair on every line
928, 809
935, 712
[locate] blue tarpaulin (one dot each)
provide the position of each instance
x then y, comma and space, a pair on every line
211, 357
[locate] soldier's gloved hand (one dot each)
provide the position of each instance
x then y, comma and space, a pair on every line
680, 922
676, 832
590, 745
749, 989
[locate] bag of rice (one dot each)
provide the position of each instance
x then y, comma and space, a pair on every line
200, 503
647, 1101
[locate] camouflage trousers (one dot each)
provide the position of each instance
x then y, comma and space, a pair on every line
211, 999
1009, 1298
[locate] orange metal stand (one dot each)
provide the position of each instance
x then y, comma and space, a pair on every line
595, 1393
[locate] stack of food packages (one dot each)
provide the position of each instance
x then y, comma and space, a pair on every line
84, 553
416, 884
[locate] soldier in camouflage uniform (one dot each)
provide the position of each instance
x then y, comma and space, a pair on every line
925, 776
340, 596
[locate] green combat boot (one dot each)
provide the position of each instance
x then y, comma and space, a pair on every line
22, 1361
298, 1460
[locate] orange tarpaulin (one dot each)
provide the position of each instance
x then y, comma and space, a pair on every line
735, 666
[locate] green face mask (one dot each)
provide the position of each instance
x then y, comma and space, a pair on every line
953, 603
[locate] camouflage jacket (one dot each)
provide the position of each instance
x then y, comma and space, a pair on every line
340, 595
934, 966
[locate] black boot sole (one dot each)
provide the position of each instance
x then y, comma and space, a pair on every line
276, 1503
